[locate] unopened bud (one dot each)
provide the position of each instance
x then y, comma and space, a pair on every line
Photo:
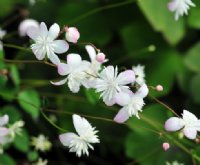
152, 48
100, 57
72, 34
25, 25
165, 146
159, 88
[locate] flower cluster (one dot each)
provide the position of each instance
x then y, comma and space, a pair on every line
8, 133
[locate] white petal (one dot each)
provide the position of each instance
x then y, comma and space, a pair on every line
4, 120
91, 51
33, 32
66, 138
25, 25
63, 69
73, 59
81, 124
39, 53
143, 91
174, 124
190, 133
126, 77
188, 116
60, 46
3, 131
54, 58
54, 31
58, 83
109, 102
43, 30
121, 116
122, 98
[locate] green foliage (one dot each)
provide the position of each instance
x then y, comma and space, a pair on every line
32, 155
29, 100
194, 88
92, 96
12, 112
6, 159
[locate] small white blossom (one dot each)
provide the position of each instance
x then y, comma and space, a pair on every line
41, 143
139, 74
16, 128
2, 33
131, 103
75, 70
4, 131
110, 83
45, 43
189, 122
25, 25
82, 142
180, 7
174, 163
41, 162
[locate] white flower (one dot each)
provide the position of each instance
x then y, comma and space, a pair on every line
180, 7
45, 43
139, 74
41, 143
109, 83
75, 72
15, 129
3, 130
174, 163
131, 103
80, 143
189, 123
41, 162
72, 34
2, 33
25, 25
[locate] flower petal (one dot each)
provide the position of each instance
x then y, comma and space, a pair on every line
4, 120
122, 98
190, 133
39, 53
60, 46
3, 131
174, 124
81, 125
91, 51
126, 77
54, 58
33, 32
143, 91
66, 138
63, 69
73, 59
43, 30
54, 31
58, 83
188, 116
121, 116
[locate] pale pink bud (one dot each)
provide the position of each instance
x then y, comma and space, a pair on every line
166, 146
100, 57
25, 25
159, 88
72, 34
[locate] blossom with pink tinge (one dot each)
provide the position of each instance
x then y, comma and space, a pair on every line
25, 25
159, 88
166, 146
100, 57
72, 34
189, 124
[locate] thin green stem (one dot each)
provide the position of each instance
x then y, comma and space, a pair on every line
83, 16
16, 47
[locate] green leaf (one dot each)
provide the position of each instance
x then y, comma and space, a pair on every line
21, 141
193, 16
192, 58
14, 75
162, 19
92, 96
32, 156
29, 100
162, 71
194, 88
5, 159
12, 112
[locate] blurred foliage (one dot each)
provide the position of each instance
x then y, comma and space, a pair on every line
124, 33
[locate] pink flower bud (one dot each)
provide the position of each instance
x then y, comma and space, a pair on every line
100, 57
166, 146
25, 25
159, 88
72, 34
